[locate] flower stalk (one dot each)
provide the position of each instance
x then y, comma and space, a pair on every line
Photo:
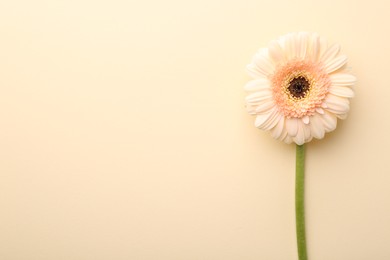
300, 201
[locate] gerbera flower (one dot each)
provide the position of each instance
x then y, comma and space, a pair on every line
300, 87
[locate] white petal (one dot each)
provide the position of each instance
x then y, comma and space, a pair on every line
301, 45
287, 139
341, 91
284, 133
259, 96
330, 53
257, 84
342, 116
292, 126
251, 109
305, 119
307, 132
263, 119
337, 105
274, 119
317, 127
289, 46
263, 64
300, 137
330, 121
342, 79
254, 72
264, 106
319, 110
276, 52
314, 50
323, 48
277, 131
335, 64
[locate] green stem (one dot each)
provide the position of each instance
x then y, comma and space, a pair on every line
300, 201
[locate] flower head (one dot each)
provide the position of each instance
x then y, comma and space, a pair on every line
300, 87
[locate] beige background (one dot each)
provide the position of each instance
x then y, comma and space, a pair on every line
123, 133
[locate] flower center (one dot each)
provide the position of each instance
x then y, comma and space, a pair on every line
298, 87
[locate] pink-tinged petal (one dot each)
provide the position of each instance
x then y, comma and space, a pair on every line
292, 126
295, 45
274, 119
277, 131
330, 121
259, 96
330, 53
335, 64
342, 79
306, 119
320, 110
299, 139
337, 105
314, 50
317, 127
258, 84
289, 46
263, 64
253, 71
301, 45
265, 106
342, 116
275, 52
251, 109
262, 119
342, 91
283, 134
323, 48
307, 132
288, 139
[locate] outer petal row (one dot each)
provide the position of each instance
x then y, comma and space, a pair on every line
294, 129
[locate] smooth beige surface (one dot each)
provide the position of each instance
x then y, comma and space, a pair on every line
123, 134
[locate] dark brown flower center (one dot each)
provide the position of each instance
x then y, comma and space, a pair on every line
298, 87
